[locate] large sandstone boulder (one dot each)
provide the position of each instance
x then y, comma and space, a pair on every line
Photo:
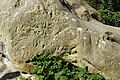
55, 27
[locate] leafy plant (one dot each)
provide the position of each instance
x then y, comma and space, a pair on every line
55, 68
109, 9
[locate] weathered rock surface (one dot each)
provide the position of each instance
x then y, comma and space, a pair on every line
54, 27
6, 67
84, 11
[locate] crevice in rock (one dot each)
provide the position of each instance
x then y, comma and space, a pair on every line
28, 61
17, 3
3, 55
66, 4
43, 46
74, 61
91, 64
95, 16
87, 15
1, 47
51, 14
111, 37
10, 75
2, 50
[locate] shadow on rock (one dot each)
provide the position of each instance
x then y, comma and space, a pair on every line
10, 75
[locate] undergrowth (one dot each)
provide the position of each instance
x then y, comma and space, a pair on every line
55, 68
109, 10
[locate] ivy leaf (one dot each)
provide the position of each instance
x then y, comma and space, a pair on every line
41, 77
63, 78
57, 69
57, 75
34, 70
40, 70
82, 78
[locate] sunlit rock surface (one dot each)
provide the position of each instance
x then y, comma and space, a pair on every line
28, 27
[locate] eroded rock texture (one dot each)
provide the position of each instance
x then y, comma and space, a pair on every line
28, 27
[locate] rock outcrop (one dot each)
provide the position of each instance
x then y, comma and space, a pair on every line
28, 27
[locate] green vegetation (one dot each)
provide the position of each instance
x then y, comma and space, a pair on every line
109, 10
55, 68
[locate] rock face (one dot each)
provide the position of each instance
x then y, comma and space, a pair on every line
84, 11
28, 27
